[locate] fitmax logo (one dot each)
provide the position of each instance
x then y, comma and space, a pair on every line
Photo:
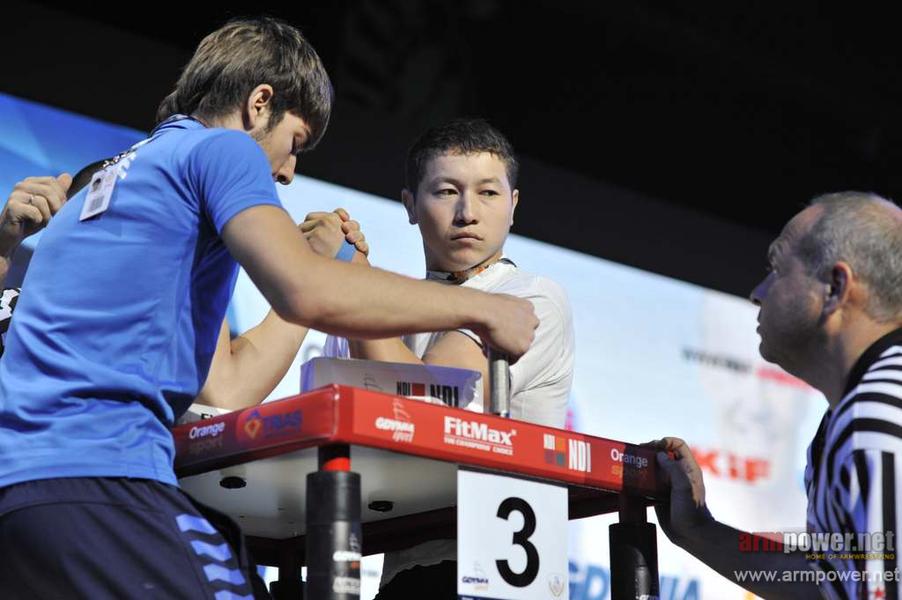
474, 430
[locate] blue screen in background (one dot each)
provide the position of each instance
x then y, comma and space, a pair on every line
39, 140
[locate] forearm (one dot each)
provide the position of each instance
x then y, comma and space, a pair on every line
386, 349
253, 364
349, 300
718, 546
369, 303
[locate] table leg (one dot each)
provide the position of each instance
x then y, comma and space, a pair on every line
288, 587
634, 553
333, 527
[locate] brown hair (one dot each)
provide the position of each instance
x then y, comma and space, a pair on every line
233, 60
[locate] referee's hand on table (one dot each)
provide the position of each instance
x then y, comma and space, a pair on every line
326, 232
685, 514
29, 208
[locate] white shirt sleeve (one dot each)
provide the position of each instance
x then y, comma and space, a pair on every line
541, 379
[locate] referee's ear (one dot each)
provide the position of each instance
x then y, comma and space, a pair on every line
839, 290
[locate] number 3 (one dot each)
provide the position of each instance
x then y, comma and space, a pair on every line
521, 538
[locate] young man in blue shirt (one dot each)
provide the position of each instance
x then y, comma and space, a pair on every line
126, 294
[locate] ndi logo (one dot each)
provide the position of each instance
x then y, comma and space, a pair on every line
580, 456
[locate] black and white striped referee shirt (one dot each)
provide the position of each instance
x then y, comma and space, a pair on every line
8, 299
854, 475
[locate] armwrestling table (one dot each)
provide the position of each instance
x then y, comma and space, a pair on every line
263, 465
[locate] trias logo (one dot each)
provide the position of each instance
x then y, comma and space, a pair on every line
449, 394
258, 424
400, 426
473, 434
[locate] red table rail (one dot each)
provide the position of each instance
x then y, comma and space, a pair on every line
345, 415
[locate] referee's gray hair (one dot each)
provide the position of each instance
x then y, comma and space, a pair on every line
865, 231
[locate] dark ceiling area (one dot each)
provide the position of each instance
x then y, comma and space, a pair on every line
732, 111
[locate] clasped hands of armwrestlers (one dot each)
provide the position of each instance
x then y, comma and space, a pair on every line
327, 231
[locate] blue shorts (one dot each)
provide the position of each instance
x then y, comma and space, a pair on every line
118, 538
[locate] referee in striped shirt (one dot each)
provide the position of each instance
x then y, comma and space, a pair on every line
830, 314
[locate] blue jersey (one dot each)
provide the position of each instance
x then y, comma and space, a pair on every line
117, 323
